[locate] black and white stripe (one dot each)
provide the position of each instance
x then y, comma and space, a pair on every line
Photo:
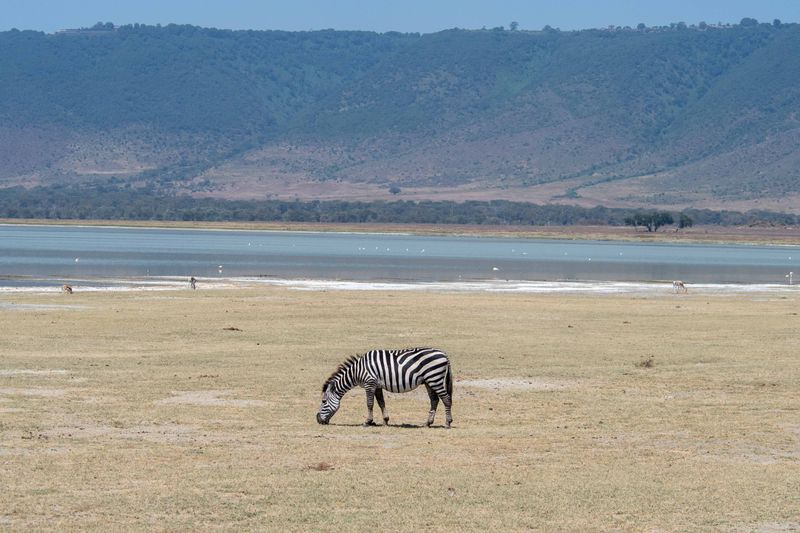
392, 370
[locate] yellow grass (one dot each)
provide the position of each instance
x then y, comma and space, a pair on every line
142, 411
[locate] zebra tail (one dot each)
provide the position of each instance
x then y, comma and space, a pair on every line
449, 381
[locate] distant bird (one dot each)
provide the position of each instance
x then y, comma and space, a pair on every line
77, 259
495, 268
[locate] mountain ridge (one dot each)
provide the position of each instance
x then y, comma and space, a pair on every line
669, 117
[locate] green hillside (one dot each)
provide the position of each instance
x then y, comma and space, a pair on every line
677, 117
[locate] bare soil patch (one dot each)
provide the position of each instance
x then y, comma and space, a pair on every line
214, 398
147, 432
518, 384
42, 392
30, 372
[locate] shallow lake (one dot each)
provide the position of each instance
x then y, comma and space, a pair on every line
36, 255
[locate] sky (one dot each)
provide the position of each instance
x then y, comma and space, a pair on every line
423, 16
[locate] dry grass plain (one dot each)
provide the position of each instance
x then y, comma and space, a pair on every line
132, 411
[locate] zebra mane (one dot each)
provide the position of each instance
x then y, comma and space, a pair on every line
339, 369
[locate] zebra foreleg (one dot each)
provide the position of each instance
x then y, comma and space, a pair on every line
434, 404
382, 405
370, 388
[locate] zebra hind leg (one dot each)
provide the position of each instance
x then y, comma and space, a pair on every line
370, 403
382, 405
447, 400
434, 404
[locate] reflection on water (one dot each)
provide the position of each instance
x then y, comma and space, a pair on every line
79, 252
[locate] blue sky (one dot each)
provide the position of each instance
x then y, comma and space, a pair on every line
423, 16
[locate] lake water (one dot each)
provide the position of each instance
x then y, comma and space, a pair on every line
51, 255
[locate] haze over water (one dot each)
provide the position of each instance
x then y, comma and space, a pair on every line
44, 255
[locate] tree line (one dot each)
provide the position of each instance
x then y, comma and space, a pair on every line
111, 203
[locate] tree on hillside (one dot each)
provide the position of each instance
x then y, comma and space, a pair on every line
684, 221
514, 26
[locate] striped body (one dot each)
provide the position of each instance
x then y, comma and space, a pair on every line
405, 370
392, 370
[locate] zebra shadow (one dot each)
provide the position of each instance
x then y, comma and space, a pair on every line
398, 426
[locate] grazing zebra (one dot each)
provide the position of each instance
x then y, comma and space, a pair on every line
66, 288
395, 371
679, 286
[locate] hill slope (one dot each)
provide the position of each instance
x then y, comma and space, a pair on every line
669, 117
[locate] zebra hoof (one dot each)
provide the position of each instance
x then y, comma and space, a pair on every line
386, 421
369, 423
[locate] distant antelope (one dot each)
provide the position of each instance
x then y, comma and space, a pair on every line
66, 289
679, 286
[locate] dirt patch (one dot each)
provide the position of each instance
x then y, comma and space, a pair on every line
209, 398
30, 372
148, 432
11, 306
33, 391
321, 467
777, 527
517, 384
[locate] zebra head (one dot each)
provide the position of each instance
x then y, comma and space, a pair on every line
329, 405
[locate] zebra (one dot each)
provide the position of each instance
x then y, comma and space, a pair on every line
393, 370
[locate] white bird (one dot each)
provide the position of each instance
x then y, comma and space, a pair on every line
77, 259
495, 268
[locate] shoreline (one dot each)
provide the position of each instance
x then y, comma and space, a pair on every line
763, 235
487, 286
